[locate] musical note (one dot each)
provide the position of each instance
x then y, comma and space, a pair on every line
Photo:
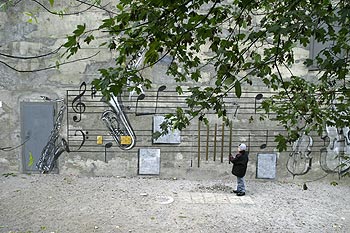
263, 146
107, 145
257, 97
142, 97
93, 92
82, 134
161, 88
79, 107
236, 111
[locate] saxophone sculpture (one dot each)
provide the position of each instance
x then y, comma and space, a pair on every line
115, 119
56, 145
118, 125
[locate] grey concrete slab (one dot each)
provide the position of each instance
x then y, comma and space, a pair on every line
213, 198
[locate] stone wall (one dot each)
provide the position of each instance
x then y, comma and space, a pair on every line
203, 150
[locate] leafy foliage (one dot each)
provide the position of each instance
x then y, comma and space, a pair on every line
247, 42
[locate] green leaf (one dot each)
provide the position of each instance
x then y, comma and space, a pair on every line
229, 80
107, 23
80, 30
281, 142
72, 40
102, 44
151, 56
9, 174
334, 183
89, 39
238, 89
57, 64
51, 2
120, 7
31, 159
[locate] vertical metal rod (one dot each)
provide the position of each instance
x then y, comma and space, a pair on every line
199, 143
222, 142
341, 151
215, 133
207, 147
66, 102
230, 142
249, 142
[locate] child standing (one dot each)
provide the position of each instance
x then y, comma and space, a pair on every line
239, 169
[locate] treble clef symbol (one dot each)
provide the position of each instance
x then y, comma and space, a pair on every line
78, 106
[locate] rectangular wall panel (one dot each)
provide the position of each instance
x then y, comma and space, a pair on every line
266, 166
37, 119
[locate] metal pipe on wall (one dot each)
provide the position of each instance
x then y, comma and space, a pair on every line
215, 134
222, 141
230, 142
207, 146
199, 143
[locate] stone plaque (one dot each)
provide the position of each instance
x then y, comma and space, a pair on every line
266, 166
149, 161
173, 137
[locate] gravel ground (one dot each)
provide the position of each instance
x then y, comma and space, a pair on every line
57, 203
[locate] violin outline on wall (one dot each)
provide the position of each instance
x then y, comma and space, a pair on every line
300, 161
333, 157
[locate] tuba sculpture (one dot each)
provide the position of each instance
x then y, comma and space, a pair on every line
115, 119
118, 125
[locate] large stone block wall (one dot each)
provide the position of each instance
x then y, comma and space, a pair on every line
192, 158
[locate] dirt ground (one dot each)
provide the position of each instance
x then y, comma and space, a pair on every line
57, 203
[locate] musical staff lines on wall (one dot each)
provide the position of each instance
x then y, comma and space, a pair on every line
87, 133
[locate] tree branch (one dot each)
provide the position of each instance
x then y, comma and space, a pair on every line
49, 67
60, 14
31, 57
